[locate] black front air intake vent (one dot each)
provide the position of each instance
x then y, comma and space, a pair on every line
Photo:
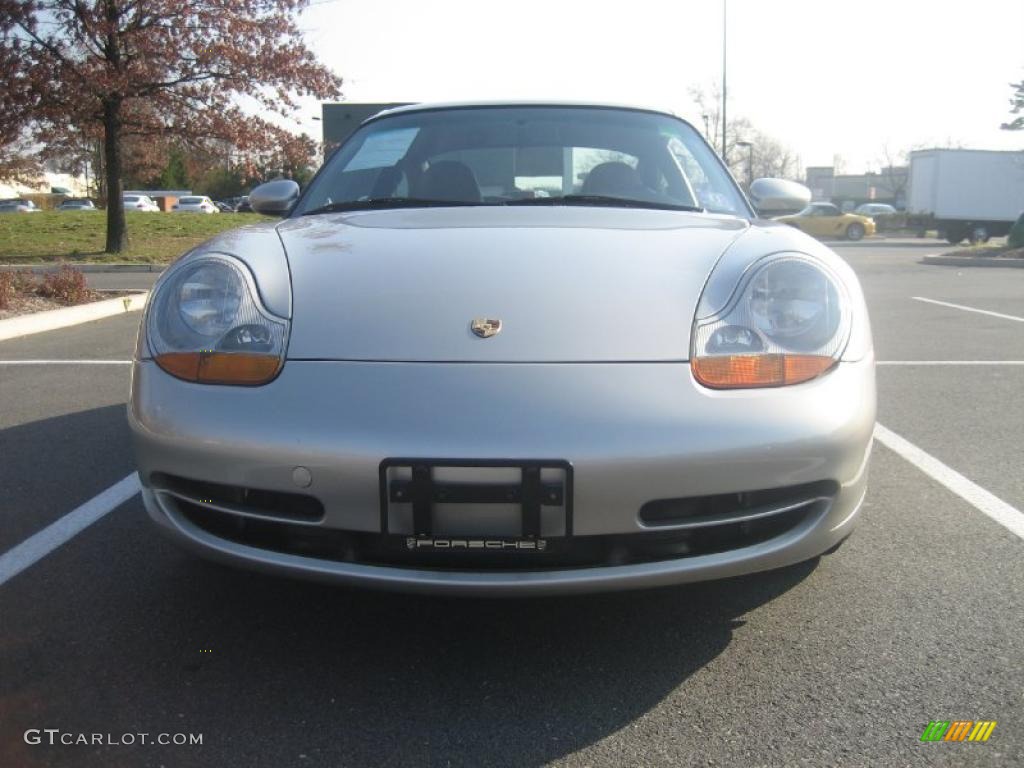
725, 508
240, 500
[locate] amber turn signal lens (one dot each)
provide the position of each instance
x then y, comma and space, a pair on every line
220, 367
744, 371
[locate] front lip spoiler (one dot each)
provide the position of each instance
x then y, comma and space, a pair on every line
795, 545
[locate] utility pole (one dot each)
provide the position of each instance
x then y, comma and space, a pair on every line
750, 160
725, 14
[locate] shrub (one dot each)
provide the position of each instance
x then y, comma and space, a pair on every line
890, 222
24, 281
1016, 239
12, 284
6, 288
66, 286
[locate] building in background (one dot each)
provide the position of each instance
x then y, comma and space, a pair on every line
341, 119
848, 190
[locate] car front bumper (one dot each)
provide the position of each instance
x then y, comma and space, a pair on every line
632, 434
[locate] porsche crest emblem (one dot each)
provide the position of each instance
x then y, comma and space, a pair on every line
485, 327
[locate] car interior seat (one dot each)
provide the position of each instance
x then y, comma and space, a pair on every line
614, 179
448, 180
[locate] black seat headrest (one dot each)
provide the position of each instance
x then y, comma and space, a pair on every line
448, 180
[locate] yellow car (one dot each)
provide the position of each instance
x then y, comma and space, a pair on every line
826, 220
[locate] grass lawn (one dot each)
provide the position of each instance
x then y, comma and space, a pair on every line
78, 238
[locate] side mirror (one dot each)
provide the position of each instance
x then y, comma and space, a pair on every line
275, 198
778, 196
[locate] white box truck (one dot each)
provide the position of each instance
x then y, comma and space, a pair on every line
965, 193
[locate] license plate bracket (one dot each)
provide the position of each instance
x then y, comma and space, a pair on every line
541, 483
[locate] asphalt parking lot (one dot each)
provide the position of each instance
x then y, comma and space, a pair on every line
839, 661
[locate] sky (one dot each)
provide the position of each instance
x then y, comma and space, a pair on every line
827, 78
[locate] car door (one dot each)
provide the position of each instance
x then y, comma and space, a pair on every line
830, 221
812, 221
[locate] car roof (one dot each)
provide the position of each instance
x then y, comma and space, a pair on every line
430, 106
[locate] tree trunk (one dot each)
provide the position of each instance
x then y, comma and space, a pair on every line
117, 234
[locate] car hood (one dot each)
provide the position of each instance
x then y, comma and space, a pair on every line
568, 284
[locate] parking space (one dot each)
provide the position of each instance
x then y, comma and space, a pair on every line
63, 433
838, 661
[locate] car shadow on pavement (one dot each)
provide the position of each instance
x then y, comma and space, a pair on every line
447, 681
51, 465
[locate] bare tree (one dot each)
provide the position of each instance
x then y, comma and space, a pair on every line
709, 103
893, 171
768, 156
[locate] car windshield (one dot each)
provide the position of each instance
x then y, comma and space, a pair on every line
191, 200
131, 199
525, 156
816, 209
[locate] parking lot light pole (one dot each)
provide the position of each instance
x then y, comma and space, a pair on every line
750, 160
725, 49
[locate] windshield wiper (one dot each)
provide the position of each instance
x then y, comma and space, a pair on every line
384, 203
605, 200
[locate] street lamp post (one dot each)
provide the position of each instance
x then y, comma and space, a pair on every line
750, 160
725, 17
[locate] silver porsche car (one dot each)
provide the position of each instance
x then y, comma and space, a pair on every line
508, 349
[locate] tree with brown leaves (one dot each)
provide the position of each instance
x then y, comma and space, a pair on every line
1016, 107
154, 70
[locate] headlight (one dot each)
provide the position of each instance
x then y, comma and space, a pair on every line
206, 324
788, 321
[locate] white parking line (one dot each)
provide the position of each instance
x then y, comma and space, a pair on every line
1011, 518
950, 362
65, 362
39, 545
969, 309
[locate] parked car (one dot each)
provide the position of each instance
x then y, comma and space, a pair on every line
874, 209
18, 205
826, 220
142, 203
243, 205
77, 204
195, 204
415, 382
223, 207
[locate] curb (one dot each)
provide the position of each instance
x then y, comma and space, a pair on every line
52, 319
41, 269
972, 261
